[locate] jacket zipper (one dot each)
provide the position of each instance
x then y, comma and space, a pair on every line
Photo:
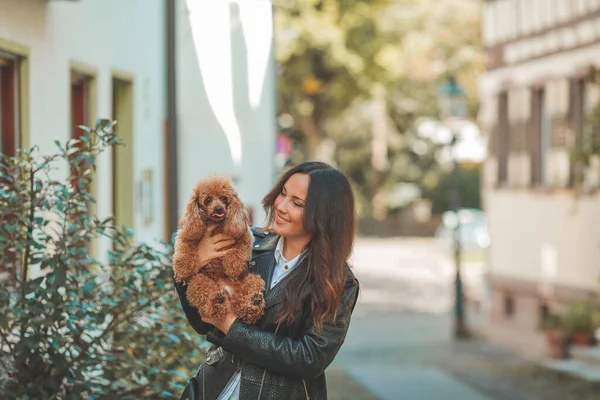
262, 382
305, 389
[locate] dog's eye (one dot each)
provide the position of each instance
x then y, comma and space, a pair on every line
207, 200
224, 199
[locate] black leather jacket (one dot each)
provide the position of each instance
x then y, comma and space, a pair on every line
293, 356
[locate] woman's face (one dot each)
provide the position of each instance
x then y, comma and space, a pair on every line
289, 207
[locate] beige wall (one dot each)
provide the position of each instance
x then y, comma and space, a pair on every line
545, 237
91, 36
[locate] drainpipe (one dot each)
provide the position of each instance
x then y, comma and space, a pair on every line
171, 142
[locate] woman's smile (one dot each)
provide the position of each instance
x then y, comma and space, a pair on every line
280, 220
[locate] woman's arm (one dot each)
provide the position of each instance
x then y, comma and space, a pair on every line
306, 357
209, 248
191, 313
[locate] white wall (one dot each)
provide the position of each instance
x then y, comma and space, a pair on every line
545, 237
226, 96
108, 35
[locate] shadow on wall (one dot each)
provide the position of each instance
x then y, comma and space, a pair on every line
226, 96
222, 83
253, 70
240, 79
201, 94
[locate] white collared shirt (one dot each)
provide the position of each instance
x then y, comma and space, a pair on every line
282, 266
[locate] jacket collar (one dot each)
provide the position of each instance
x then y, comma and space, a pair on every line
265, 241
264, 265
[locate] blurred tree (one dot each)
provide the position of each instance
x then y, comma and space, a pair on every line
323, 48
72, 327
344, 61
469, 185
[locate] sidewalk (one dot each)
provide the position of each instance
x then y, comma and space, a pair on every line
413, 382
400, 344
410, 360
342, 386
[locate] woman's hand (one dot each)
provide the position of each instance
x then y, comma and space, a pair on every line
224, 323
211, 247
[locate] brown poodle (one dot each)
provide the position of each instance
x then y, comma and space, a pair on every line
214, 201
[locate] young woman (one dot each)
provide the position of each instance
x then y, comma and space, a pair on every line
310, 293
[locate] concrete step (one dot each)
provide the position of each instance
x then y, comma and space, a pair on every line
586, 354
574, 367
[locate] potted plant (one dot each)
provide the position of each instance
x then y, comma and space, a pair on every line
579, 322
556, 339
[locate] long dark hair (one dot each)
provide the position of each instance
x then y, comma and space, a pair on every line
329, 218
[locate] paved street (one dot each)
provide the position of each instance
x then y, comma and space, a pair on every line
400, 346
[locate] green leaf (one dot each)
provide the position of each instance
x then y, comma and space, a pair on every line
174, 337
88, 287
85, 128
178, 373
3, 321
60, 148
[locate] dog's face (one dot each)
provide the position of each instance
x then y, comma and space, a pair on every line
214, 201
213, 206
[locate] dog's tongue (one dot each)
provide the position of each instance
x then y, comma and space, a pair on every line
218, 215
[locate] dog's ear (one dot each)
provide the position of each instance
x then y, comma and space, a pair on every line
238, 219
191, 226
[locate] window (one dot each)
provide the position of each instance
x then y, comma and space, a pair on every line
576, 116
503, 141
122, 156
541, 131
9, 133
9, 104
80, 108
79, 103
82, 90
13, 119
543, 313
509, 305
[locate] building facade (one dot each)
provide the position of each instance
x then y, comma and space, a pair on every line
66, 63
540, 109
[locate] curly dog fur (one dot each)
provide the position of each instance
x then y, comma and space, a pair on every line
214, 201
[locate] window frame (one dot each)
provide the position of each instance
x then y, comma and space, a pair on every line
20, 53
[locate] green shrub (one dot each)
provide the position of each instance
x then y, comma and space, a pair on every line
72, 327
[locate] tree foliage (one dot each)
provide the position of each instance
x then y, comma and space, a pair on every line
337, 56
72, 326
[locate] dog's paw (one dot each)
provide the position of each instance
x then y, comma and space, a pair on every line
252, 314
257, 298
220, 297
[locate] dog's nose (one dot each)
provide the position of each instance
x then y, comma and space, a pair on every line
219, 209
